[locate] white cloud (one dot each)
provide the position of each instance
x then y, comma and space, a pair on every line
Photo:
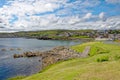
101, 15
26, 7
53, 22
113, 1
88, 16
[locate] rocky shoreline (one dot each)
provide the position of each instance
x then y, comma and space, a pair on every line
60, 53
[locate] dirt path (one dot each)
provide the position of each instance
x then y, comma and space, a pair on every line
86, 51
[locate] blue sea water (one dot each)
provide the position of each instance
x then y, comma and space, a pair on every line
10, 67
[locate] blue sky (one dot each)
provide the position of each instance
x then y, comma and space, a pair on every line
2, 2
25, 15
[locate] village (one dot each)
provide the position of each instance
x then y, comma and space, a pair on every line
107, 35
95, 34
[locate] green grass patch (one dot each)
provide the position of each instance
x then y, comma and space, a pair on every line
102, 58
79, 37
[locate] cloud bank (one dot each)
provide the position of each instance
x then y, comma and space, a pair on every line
21, 15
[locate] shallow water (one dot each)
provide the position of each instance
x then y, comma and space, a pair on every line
10, 67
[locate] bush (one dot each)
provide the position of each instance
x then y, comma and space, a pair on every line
102, 58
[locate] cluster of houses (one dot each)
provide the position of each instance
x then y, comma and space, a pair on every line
105, 35
96, 34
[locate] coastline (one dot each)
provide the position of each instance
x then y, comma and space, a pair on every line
52, 56
99, 54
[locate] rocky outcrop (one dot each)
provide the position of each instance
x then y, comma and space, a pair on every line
27, 54
58, 54
52, 56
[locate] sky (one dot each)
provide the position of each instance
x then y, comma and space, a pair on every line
32, 15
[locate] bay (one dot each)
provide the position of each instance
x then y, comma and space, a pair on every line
10, 67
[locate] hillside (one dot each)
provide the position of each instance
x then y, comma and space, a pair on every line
102, 64
61, 34
51, 34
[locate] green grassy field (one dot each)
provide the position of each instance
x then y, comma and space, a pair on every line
103, 63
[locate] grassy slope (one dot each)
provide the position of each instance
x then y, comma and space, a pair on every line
103, 64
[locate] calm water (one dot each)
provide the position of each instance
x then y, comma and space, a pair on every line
10, 67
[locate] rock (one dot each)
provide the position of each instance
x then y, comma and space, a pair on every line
18, 55
12, 49
3, 50
19, 49
30, 54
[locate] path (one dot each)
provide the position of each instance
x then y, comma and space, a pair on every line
86, 51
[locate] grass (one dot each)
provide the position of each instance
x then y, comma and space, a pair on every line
79, 37
102, 64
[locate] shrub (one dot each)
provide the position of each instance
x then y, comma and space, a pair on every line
102, 58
